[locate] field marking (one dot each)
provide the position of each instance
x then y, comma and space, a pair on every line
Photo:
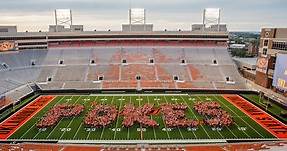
27, 118
103, 126
177, 126
119, 110
163, 119
261, 110
96, 99
216, 97
35, 122
208, 99
77, 130
234, 121
85, 99
141, 133
151, 118
195, 117
40, 119
44, 115
253, 117
128, 135
191, 131
244, 120
70, 120
132, 94
58, 122
81, 122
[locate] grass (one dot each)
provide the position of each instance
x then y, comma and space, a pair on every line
73, 128
274, 109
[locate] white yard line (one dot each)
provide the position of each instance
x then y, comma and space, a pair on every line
163, 122
152, 119
106, 93
192, 131
103, 127
140, 123
81, 123
119, 110
90, 131
239, 117
58, 122
177, 127
72, 118
234, 123
195, 117
128, 127
77, 130
216, 130
36, 122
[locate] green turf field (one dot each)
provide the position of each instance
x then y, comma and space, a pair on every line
73, 128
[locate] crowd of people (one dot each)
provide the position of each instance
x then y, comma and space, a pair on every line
141, 115
101, 116
59, 111
214, 115
174, 116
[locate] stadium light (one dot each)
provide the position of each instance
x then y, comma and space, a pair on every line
211, 16
137, 16
63, 17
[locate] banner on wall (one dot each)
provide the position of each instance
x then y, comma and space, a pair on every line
7, 46
262, 64
280, 73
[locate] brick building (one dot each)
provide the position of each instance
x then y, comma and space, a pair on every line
273, 41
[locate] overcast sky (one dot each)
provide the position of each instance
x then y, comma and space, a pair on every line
239, 15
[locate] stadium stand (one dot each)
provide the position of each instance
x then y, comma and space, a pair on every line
121, 67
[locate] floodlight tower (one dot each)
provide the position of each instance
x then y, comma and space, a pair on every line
211, 16
137, 16
137, 21
63, 17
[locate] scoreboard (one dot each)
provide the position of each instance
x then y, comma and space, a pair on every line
7, 46
280, 73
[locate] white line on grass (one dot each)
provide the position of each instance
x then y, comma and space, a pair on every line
36, 122
195, 116
241, 119
191, 131
234, 122
90, 111
128, 127
177, 126
71, 121
59, 121
103, 126
81, 122
163, 122
140, 123
151, 118
44, 114
216, 130
115, 132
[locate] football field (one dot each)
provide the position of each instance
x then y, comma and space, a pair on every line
73, 128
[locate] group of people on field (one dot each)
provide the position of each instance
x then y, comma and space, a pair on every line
101, 115
214, 115
174, 116
54, 115
140, 115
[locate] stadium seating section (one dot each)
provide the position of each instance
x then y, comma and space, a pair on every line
125, 67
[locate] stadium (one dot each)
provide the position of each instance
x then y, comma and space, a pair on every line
136, 87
